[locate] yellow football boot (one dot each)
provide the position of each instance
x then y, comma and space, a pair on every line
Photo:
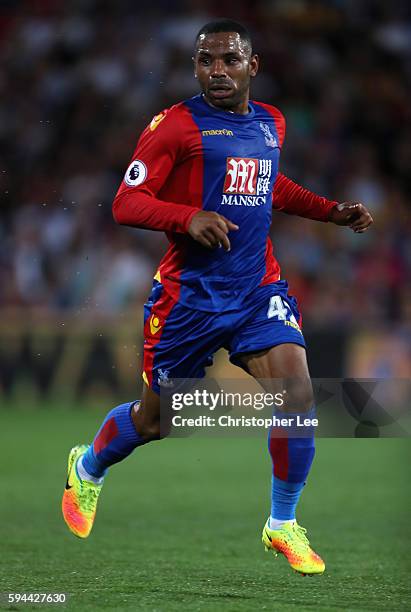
79, 498
291, 541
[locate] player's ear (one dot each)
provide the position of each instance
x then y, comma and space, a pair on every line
194, 63
254, 64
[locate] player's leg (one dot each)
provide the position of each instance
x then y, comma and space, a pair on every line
119, 434
282, 369
270, 346
291, 453
285, 366
117, 438
168, 333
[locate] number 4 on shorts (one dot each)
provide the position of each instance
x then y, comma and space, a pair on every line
280, 309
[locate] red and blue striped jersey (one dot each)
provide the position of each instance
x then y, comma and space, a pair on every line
194, 156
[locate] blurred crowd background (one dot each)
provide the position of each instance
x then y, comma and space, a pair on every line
81, 79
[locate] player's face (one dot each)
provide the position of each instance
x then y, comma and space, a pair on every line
224, 65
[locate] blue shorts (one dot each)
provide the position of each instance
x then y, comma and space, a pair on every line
180, 342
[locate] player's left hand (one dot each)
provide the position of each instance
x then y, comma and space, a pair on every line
353, 214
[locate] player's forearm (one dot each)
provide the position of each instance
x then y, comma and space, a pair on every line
138, 209
293, 199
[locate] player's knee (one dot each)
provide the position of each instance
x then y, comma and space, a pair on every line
300, 396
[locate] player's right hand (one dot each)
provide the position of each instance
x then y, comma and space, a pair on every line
210, 229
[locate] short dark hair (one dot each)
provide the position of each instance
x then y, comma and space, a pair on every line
226, 25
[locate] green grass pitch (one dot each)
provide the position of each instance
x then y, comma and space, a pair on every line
178, 526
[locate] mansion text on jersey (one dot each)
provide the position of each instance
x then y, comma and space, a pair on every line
242, 200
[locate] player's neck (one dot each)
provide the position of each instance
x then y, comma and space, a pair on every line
240, 109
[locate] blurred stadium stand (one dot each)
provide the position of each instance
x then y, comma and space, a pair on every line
79, 82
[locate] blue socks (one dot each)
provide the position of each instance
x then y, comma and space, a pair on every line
115, 440
292, 458
284, 498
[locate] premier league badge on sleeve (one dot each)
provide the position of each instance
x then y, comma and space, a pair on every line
136, 173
